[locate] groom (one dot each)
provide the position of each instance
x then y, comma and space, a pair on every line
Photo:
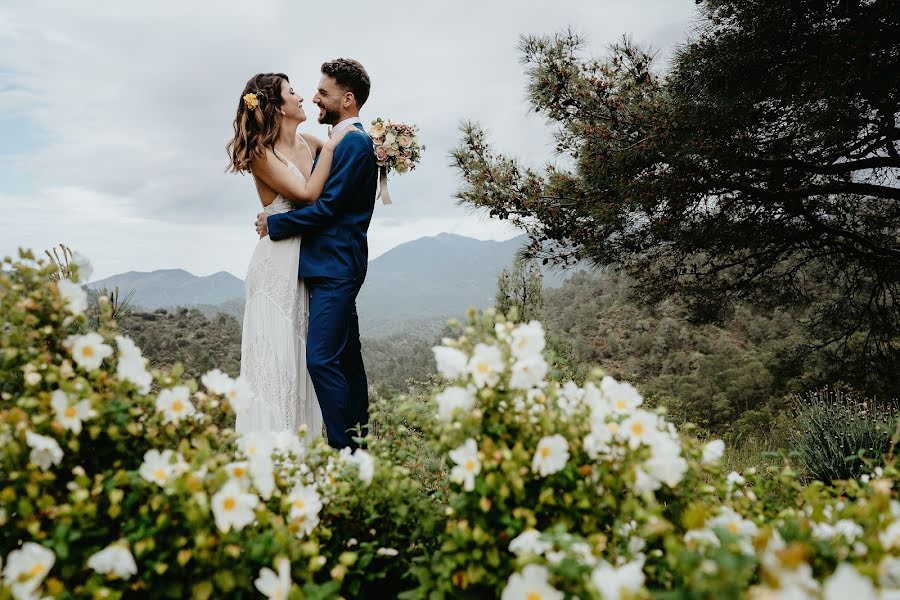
334, 254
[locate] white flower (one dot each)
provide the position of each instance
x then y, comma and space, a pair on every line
158, 467
32, 377
529, 542
614, 583
570, 398
890, 537
365, 464
255, 443
644, 482
622, 397
467, 464
85, 270
387, 552
598, 440
217, 382
305, 506
114, 559
485, 365
531, 584
732, 523
734, 479
287, 442
70, 416
528, 372
451, 362
74, 296
88, 350
641, 427
713, 451
240, 472
45, 451
452, 399
551, 455
702, 537
240, 395
665, 463
528, 341
175, 404
262, 473
846, 582
132, 364
26, 568
850, 530
232, 507
889, 572
272, 586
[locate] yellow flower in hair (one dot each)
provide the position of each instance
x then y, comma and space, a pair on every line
251, 101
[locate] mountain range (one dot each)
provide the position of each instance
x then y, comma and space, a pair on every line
416, 283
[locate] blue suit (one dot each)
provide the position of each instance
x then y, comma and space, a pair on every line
333, 260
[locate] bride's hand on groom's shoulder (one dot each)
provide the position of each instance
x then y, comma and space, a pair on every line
334, 140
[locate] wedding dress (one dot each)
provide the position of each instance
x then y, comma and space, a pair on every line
273, 345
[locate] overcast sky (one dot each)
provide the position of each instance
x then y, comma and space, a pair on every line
114, 115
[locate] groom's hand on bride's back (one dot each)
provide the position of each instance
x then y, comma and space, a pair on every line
262, 224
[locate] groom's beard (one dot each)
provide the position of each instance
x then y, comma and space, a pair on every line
331, 116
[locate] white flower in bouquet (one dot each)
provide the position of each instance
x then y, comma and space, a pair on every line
85, 270
615, 583
240, 472
232, 507
846, 582
890, 537
713, 451
452, 400
451, 362
132, 364
529, 542
622, 397
486, 365
305, 506
26, 569
528, 340
175, 404
365, 465
551, 455
158, 467
275, 586
45, 451
262, 474
88, 350
467, 464
531, 584
115, 560
69, 415
528, 373
75, 297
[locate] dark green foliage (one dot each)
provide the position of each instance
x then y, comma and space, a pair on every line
520, 287
763, 164
836, 432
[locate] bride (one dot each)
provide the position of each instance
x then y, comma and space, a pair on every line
273, 347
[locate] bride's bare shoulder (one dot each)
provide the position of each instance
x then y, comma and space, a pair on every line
314, 142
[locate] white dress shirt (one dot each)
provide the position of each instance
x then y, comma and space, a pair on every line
345, 124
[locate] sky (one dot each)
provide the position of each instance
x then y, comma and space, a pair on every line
114, 115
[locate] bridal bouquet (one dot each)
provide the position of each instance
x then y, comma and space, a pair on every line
397, 148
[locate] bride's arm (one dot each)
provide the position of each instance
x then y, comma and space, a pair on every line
278, 176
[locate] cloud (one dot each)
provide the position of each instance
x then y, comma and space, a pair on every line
123, 109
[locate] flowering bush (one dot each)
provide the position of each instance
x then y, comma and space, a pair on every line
562, 490
120, 481
117, 480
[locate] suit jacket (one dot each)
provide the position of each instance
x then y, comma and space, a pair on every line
334, 227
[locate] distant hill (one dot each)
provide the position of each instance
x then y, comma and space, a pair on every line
173, 287
416, 285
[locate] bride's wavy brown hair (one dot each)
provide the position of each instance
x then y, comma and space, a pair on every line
256, 129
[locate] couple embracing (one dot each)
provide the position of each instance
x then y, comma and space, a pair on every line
300, 350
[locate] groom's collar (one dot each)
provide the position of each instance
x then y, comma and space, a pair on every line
345, 124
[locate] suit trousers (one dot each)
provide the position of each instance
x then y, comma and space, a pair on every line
334, 359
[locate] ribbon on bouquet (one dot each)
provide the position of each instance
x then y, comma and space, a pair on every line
383, 187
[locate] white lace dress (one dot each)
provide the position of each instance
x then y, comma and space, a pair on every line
273, 345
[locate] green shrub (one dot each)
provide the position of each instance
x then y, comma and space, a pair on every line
841, 437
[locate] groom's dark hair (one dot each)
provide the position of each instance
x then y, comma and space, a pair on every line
351, 76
